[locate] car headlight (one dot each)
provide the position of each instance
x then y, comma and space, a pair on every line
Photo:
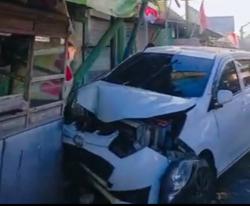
181, 175
176, 179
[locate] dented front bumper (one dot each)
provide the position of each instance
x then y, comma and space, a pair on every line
132, 179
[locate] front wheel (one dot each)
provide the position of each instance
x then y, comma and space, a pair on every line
199, 189
204, 184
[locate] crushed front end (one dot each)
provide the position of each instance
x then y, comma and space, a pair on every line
129, 159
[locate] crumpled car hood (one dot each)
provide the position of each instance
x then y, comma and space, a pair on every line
112, 102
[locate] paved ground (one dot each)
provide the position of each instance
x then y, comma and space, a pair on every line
234, 185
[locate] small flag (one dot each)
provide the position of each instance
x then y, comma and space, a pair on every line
151, 13
203, 18
234, 39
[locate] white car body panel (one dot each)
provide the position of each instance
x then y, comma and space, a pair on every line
111, 102
223, 132
130, 172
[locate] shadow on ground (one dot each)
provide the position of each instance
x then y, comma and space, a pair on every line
234, 185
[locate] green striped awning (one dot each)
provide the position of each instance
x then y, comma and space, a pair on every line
116, 8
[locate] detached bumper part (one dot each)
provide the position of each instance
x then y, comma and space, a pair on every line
117, 197
135, 197
101, 166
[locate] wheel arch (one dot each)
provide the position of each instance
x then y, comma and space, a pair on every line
209, 157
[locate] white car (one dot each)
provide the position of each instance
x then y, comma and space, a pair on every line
163, 125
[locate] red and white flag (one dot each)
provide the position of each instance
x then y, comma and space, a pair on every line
151, 13
234, 39
203, 18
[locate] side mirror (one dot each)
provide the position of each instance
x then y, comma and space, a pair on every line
224, 96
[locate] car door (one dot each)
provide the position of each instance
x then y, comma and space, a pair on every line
229, 116
243, 65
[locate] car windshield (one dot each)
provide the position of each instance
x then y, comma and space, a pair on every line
177, 75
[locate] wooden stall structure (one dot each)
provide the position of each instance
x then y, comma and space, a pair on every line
33, 45
32, 61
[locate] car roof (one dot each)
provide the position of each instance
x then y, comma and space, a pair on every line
202, 51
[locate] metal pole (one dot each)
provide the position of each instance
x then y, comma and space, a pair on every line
113, 46
135, 29
94, 54
187, 16
186, 10
241, 33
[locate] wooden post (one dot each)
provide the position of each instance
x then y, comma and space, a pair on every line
187, 16
135, 29
113, 46
121, 43
29, 77
94, 54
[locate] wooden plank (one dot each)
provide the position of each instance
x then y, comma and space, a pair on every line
12, 125
30, 13
52, 29
46, 106
11, 103
62, 96
47, 78
10, 24
13, 76
18, 19
45, 115
29, 77
8, 117
3, 98
50, 51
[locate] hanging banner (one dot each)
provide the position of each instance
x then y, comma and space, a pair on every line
203, 18
116, 8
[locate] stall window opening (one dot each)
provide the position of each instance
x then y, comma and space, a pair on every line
14, 51
32, 74
48, 71
14, 55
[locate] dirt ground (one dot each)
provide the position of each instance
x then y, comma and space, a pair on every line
234, 185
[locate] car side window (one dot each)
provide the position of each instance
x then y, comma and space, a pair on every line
244, 66
229, 79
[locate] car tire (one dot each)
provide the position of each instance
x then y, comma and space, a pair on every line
199, 190
205, 184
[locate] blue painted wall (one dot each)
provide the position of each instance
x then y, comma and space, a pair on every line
30, 166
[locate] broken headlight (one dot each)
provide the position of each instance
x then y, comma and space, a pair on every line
178, 176
181, 175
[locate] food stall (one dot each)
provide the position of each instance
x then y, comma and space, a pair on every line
33, 45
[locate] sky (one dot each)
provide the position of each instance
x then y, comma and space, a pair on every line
240, 9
